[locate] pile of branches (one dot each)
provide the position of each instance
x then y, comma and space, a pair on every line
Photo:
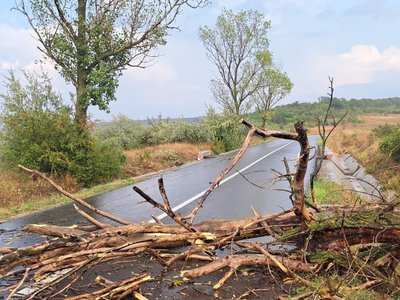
357, 241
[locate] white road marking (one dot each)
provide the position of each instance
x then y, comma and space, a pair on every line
190, 200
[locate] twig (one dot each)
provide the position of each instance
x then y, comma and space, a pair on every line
265, 225
19, 284
367, 285
166, 207
281, 266
324, 137
73, 197
157, 256
91, 219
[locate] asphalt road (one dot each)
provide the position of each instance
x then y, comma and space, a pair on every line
232, 199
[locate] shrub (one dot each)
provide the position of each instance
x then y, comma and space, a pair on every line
129, 134
225, 131
38, 131
390, 143
121, 132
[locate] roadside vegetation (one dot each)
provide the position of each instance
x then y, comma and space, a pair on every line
38, 131
374, 142
332, 193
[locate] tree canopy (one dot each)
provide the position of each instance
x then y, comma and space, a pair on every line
275, 85
92, 41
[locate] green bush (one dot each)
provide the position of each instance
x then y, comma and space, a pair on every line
121, 132
390, 143
37, 130
129, 134
95, 162
383, 131
225, 131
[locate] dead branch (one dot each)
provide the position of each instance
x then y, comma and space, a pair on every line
73, 197
233, 262
322, 128
116, 290
18, 286
91, 219
217, 181
53, 230
166, 207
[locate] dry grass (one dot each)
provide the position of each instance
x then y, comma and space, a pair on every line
359, 141
370, 122
150, 159
16, 187
18, 193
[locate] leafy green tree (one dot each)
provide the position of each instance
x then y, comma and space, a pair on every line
38, 131
92, 41
274, 86
233, 45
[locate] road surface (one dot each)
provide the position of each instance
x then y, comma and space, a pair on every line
232, 199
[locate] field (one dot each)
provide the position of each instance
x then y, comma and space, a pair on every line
372, 121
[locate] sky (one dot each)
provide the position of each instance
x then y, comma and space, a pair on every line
357, 42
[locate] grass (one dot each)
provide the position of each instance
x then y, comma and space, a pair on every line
363, 145
327, 192
20, 195
346, 285
35, 202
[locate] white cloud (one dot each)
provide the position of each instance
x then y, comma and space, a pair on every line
362, 62
17, 41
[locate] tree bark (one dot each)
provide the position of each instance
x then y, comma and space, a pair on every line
81, 104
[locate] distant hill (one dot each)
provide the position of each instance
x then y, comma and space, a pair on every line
288, 114
307, 112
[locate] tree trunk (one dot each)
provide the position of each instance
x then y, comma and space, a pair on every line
81, 104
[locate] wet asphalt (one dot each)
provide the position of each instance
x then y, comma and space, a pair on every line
255, 186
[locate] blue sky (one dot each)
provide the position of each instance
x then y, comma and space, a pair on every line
356, 42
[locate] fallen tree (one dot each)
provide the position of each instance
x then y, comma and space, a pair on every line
360, 241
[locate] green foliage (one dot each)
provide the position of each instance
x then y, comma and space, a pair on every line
121, 132
223, 130
234, 45
92, 42
286, 115
226, 133
274, 85
128, 134
38, 132
327, 192
390, 140
159, 131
